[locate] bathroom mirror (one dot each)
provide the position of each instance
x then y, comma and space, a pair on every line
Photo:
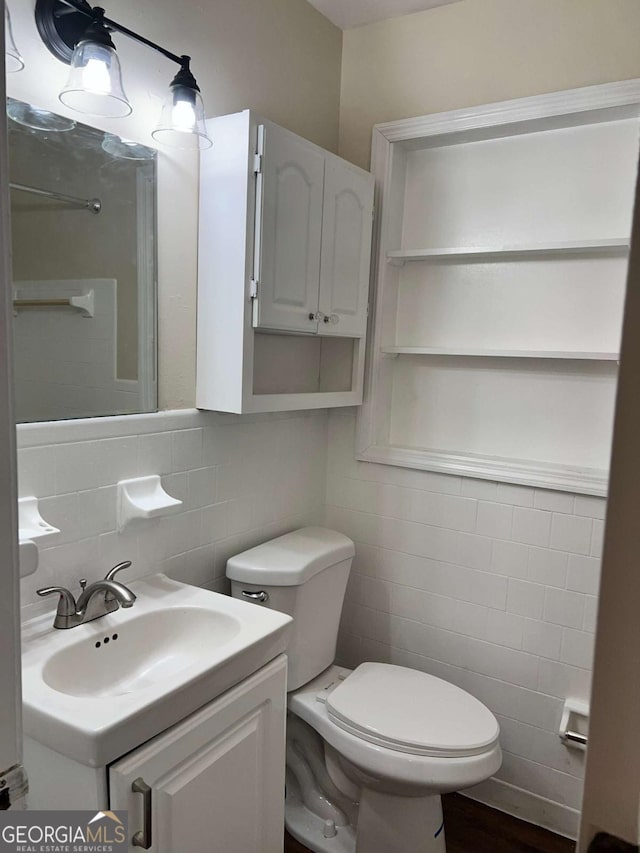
83, 211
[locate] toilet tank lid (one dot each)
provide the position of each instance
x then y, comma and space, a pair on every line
291, 559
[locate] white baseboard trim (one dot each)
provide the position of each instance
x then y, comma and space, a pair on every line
527, 806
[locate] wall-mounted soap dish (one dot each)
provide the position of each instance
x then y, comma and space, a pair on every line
31, 525
143, 497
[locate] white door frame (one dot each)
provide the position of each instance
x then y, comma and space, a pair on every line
611, 801
10, 694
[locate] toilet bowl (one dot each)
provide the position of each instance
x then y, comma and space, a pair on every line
369, 751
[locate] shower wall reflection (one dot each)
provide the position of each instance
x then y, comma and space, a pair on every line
83, 225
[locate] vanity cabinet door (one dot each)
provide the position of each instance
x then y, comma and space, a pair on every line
217, 778
288, 231
346, 250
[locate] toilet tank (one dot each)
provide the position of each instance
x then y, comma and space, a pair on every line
303, 574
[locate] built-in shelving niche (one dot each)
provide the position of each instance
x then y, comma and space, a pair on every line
502, 252
304, 364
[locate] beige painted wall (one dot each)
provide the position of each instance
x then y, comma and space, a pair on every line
479, 51
281, 58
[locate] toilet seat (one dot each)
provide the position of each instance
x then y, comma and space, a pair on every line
388, 768
411, 712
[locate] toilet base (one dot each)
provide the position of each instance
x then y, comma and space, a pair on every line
307, 828
391, 824
386, 824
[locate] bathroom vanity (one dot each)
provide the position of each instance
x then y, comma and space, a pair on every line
175, 714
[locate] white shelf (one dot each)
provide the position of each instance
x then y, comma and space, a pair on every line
568, 355
615, 246
564, 478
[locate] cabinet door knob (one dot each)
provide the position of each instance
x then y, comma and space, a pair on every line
142, 838
331, 318
317, 316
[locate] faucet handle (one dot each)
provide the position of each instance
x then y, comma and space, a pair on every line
66, 604
118, 568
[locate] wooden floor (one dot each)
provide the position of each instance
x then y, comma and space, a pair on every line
473, 828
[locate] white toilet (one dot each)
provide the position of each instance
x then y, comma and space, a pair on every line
369, 751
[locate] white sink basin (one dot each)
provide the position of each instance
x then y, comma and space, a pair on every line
148, 649
98, 690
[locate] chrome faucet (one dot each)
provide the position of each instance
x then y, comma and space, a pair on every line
96, 600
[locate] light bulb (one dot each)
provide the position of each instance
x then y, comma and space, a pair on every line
183, 116
95, 77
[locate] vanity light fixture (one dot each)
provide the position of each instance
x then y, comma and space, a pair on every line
12, 59
182, 118
95, 86
80, 35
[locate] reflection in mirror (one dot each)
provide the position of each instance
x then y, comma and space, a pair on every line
84, 268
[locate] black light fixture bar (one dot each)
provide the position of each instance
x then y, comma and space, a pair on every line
78, 34
48, 9
90, 12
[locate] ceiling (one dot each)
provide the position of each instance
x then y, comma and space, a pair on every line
354, 13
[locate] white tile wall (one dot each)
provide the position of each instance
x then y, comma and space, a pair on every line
242, 480
489, 585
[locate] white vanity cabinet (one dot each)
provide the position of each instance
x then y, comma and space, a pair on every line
216, 780
283, 278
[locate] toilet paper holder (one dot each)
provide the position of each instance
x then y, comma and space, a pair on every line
574, 724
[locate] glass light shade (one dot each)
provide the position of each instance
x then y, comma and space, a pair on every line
37, 119
95, 82
12, 59
124, 149
182, 120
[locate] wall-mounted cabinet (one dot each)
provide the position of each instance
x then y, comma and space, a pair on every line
501, 268
283, 281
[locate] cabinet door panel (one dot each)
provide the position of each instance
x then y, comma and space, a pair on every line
209, 795
217, 778
290, 228
346, 250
